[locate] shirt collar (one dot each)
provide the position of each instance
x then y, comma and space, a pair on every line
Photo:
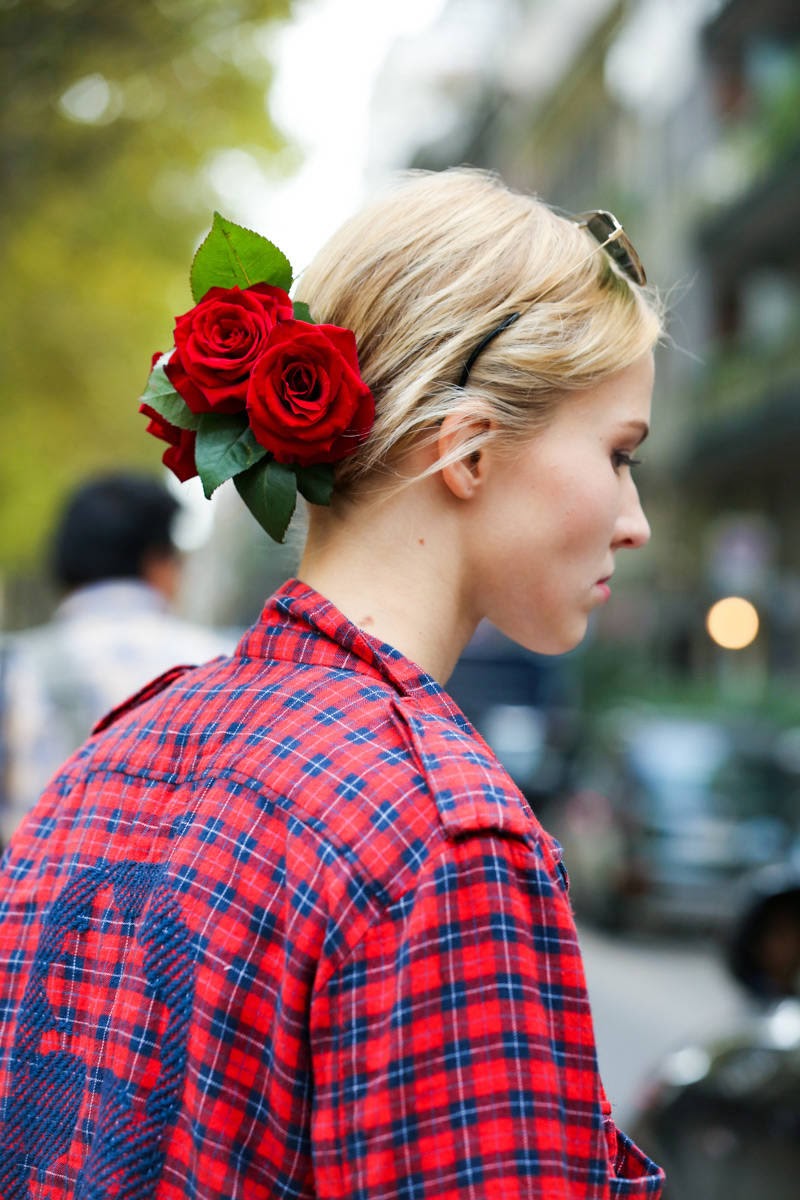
300, 625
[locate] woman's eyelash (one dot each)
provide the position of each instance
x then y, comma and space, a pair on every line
623, 459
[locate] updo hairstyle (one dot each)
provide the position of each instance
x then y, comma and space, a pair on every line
425, 272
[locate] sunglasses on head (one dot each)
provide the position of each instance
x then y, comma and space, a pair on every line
609, 234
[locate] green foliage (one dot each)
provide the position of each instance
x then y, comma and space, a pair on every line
316, 483
225, 446
269, 489
112, 111
161, 396
302, 312
235, 257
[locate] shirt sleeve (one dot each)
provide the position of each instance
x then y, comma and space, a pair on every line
453, 1048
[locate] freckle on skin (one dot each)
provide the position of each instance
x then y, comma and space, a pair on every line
366, 621
421, 542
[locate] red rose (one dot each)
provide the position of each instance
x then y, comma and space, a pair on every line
307, 402
179, 455
219, 340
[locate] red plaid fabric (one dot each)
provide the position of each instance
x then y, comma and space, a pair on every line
285, 928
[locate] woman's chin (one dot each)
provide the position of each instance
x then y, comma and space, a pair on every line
550, 642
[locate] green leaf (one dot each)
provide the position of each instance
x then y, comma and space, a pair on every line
269, 489
232, 256
225, 446
161, 396
316, 483
302, 312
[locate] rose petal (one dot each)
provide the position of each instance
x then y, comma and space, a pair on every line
218, 342
179, 455
306, 403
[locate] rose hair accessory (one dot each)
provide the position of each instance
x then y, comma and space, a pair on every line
253, 389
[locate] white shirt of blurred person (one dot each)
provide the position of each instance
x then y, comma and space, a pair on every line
114, 557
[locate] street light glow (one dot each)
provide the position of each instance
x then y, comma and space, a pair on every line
732, 623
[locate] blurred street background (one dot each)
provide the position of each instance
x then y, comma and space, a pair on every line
665, 752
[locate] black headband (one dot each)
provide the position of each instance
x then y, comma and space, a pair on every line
468, 365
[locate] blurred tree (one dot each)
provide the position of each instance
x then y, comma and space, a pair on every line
114, 113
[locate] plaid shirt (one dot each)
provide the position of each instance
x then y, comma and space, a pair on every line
284, 927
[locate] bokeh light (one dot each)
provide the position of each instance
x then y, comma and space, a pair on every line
732, 623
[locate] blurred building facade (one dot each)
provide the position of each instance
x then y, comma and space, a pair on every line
745, 446
683, 117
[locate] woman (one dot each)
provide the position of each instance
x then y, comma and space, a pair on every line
284, 926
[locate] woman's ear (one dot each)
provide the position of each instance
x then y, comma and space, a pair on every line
465, 465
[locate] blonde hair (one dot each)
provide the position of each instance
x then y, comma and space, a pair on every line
424, 273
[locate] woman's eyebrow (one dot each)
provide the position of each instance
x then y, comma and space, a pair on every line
640, 427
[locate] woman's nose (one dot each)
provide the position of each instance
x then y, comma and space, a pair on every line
632, 529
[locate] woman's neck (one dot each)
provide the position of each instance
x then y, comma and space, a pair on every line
394, 567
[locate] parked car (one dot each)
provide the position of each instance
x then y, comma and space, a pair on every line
723, 1117
669, 812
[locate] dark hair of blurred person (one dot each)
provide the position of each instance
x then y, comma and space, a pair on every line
117, 527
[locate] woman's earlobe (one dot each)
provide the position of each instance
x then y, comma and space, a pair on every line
463, 475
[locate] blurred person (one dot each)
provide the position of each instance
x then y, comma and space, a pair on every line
285, 926
114, 559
